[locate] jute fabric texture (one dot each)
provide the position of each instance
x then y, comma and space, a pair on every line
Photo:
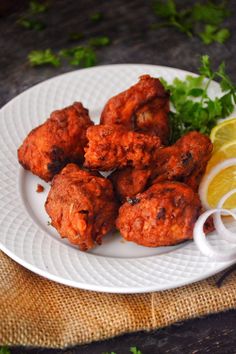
37, 312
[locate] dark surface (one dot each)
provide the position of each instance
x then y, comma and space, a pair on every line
128, 25
215, 334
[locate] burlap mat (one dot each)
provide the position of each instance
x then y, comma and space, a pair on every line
38, 312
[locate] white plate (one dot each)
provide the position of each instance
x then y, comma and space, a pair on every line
116, 266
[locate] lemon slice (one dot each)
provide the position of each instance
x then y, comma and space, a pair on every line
217, 182
226, 151
223, 133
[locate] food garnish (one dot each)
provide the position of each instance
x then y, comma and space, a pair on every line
192, 107
221, 168
203, 19
42, 57
83, 55
223, 133
218, 181
30, 20
203, 243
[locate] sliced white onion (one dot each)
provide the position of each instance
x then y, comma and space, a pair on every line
224, 233
204, 245
204, 185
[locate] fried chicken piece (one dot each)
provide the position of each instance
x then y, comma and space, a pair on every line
152, 118
128, 182
184, 161
111, 147
143, 107
61, 139
81, 206
164, 215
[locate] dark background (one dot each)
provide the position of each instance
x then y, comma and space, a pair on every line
127, 23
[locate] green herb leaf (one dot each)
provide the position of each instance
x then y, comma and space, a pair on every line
134, 350
80, 56
43, 57
36, 7
201, 19
31, 24
99, 41
5, 350
165, 9
213, 34
192, 108
96, 17
210, 13
205, 68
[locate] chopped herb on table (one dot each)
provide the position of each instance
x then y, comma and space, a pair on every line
203, 19
42, 57
192, 108
99, 41
29, 20
83, 55
133, 350
96, 17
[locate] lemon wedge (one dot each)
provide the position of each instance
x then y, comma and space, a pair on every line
218, 181
226, 151
223, 133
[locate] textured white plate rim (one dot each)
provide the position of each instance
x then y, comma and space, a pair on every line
111, 290
94, 69
141, 289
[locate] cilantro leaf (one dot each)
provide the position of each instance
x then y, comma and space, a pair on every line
213, 34
31, 24
165, 9
134, 350
43, 57
209, 12
205, 68
36, 7
202, 19
99, 41
96, 17
80, 56
192, 108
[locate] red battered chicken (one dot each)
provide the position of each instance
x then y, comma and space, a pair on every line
185, 161
111, 146
164, 215
81, 206
61, 139
143, 107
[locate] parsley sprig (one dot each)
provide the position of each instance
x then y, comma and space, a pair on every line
203, 19
192, 108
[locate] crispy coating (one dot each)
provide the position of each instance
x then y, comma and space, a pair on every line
164, 215
184, 161
143, 107
111, 147
81, 206
61, 139
128, 182
152, 118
